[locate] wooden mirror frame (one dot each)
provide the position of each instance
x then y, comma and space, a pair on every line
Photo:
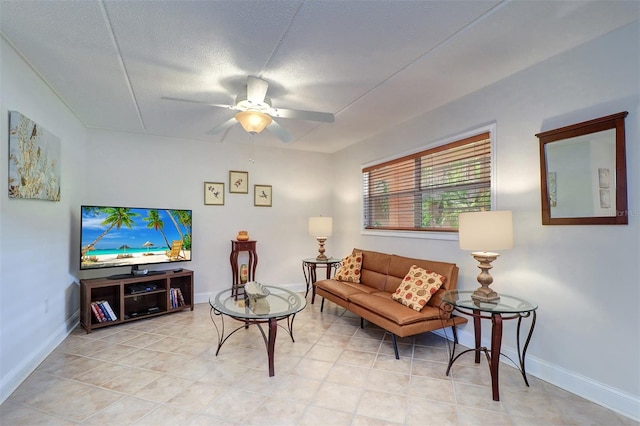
615, 121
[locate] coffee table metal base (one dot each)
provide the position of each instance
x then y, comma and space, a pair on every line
269, 336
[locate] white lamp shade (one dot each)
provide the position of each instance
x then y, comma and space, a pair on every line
253, 121
486, 231
320, 226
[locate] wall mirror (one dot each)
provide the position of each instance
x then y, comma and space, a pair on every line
583, 173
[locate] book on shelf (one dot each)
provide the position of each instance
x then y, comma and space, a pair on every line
107, 317
110, 311
102, 311
176, 297
97, 313
180, 298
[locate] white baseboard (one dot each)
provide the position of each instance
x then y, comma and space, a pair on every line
19, 374
599, 393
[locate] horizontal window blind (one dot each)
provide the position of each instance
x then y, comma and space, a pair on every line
426, 191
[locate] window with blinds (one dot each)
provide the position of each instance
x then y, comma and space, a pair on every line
427, 190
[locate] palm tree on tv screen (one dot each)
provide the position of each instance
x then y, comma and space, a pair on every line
116, 218
156, 223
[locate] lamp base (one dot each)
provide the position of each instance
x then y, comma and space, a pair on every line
485, 294
321, 250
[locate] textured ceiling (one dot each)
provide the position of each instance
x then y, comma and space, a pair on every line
374, 64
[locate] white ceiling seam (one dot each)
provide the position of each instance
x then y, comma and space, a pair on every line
282, 37
442, 44
116, 45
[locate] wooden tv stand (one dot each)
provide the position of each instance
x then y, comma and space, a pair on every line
152, 298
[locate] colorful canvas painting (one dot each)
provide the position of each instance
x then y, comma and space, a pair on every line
34, 160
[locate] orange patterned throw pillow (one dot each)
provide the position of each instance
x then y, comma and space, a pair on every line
350, 269
417, 287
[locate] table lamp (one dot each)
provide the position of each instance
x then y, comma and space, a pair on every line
321, 228
485, 231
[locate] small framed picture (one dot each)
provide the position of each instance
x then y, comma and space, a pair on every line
214, 193
262, 195
238, 182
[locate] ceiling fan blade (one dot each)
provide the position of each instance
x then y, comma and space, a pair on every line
256, 89
222, 127
280, 132
168, 98
324, 117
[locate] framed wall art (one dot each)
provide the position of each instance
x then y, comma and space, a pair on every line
262, 195
238, 182
34, 160
214, 193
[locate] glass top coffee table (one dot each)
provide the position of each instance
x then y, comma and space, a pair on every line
279, 304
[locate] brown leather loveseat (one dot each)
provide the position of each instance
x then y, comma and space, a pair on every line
380, 276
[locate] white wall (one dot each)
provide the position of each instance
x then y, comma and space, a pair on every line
586, 279
39, 297
132, 170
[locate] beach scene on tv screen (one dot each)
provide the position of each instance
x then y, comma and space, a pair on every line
115, 236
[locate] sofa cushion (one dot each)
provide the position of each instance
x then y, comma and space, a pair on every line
383, 305
375, 267
417, 287
343, 289
399, 266
350, 269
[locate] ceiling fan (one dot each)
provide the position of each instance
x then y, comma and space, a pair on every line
255, 112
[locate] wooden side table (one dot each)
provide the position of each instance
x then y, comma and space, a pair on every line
236, 248
309, 266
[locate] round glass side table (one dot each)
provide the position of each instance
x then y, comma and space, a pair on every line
507, 308
309, 266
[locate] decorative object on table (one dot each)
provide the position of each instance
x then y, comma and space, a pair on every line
242, 236
34, 160
484, 231
255, 298
321, 228
255, 290
214, 194
244, 273
238, 182
262, 195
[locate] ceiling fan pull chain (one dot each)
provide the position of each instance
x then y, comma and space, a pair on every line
252, 157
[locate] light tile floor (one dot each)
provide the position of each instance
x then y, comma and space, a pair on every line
164, 371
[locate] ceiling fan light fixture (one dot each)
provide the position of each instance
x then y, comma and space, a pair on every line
253, 121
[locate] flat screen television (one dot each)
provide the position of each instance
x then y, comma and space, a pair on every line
121, 236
